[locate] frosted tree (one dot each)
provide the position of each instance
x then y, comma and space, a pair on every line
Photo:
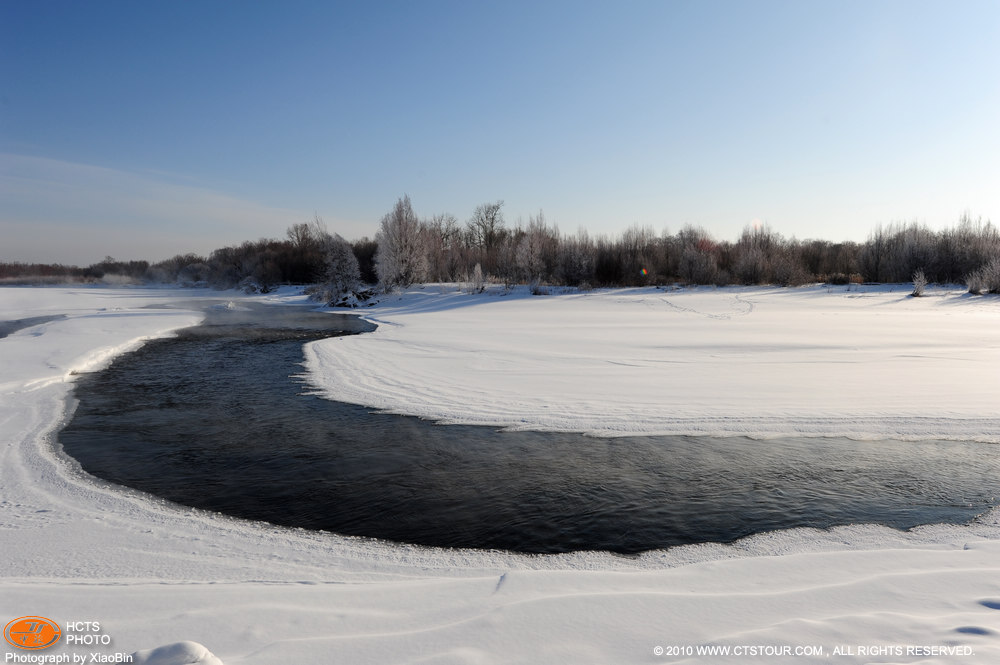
401, 258
536, 251
342, 275
341, 272
755, 251
698, 260
442, 240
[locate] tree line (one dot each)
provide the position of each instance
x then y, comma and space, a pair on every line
485, 248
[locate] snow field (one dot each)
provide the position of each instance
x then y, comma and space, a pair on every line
761, 362
163, 580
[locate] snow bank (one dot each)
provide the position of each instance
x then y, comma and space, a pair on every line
863, 362
181, 653
76, 550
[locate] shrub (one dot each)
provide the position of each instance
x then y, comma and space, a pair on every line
538, 289
478, 282
838, 279
919, 284
986, 279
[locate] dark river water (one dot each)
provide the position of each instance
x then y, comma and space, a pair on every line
218, 418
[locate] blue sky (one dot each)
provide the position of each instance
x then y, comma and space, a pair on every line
146, 129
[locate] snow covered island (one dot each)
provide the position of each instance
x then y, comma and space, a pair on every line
173, 585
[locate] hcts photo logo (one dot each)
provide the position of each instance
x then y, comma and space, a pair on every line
32, 633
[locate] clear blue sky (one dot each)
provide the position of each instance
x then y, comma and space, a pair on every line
145, 129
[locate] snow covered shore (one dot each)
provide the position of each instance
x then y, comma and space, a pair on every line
76, 550
869, 362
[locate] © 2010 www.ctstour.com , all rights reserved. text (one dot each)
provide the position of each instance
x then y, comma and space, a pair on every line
800, 650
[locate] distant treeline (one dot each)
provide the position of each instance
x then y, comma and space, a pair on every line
108, 270
408, 249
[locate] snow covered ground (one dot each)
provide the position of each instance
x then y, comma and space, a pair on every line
870, 362
162, 580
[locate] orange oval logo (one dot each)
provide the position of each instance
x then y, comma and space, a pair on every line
32, 633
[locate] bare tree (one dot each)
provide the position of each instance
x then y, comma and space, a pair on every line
442, 239
575, 259
637, 251
306, 247
486, 233
876, 254
307, 235
486, 227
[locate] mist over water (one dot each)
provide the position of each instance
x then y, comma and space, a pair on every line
217, 419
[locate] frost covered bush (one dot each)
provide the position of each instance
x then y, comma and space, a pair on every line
478, 282
341, 274
919, 283
251, 286
538, 289
475, 282
986, 279
975, 284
